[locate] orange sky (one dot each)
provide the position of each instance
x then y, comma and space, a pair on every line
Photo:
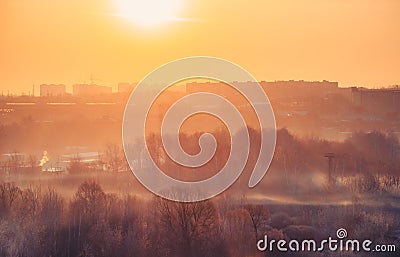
355, 42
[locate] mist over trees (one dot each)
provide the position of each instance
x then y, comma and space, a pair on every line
40, 222
361, 197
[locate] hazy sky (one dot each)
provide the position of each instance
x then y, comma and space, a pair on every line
355, 42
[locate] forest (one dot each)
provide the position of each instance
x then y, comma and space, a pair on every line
301, 197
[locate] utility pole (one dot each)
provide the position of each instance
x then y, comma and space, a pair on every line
330, 157
93, 80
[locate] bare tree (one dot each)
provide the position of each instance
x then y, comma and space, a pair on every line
9, 193
114, 158
89, 201
188, 229
50, 218
258, 216
29, 206
238, 231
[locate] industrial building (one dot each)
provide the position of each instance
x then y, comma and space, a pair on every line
52, 90
90, 89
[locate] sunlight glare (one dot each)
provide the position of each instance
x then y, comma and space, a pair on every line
148, 12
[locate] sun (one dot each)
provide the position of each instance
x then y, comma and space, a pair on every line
148, 13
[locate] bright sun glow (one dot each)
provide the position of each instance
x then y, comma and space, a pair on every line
148, 12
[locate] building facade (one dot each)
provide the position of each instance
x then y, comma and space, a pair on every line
52, 90
90, 89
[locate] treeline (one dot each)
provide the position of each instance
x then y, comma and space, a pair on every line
364, 163
36, 222
40, 222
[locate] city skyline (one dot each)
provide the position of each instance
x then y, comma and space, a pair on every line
355, 43
124, 87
